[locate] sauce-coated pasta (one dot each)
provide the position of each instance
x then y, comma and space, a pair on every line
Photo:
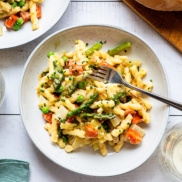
80, 111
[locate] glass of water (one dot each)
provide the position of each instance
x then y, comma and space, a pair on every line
170, 153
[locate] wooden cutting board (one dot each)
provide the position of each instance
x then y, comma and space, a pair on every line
168, 24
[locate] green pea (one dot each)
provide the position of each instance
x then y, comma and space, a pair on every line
14, 4
80, 98
81, 85
21, 3
45, 110
50, 54
18, 24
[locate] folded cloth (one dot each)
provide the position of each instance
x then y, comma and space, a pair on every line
14, 170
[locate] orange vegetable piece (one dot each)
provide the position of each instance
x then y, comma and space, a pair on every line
91, 132
25, 16
74, 68
106, 64
129, 111
48, 117
39, 11
71, 119
9, 23
133, 137
136, 119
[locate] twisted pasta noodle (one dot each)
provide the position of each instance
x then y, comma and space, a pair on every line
33, 15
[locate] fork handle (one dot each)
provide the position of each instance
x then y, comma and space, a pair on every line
170, 102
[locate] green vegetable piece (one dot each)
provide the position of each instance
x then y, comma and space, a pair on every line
60, 89
116, 98
45, 110
57, 82
81, 85
65, 139
18, 24
80, 98
21, 3
73, 87
59, 131
106, 116
64, 58
106, 126
83, 106
119, 48
96, 46
14, 4
50, 54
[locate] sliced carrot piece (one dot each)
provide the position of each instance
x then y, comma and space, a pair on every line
129, 111
106, 64
74, 68
48, 117
91, 132
136, 119
9, 23
25, 16
133, 136
39, 11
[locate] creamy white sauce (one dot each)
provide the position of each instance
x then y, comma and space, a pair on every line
177, 156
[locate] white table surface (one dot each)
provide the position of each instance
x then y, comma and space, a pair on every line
14, 140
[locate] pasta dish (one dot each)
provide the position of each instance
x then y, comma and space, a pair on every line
18, 12
80, 111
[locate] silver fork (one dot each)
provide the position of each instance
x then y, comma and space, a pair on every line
112, 76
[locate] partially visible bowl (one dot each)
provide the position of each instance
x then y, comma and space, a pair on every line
86, 161
2, 88
51, 13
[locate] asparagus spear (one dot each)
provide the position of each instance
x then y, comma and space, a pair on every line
72, 87
83, 106
96, 46
57, 77
98, 116
116, 98
119, 48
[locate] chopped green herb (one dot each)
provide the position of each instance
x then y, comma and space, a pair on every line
65, 139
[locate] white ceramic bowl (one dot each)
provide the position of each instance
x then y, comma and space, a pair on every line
85, 160
51, 13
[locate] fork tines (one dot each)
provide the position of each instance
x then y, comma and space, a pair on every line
99, 74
